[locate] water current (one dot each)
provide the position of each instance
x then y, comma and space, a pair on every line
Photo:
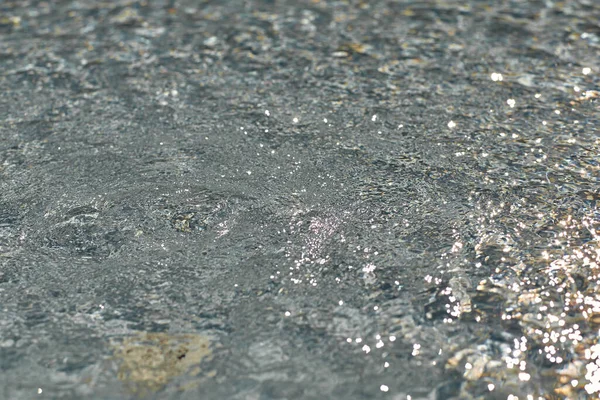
300, 199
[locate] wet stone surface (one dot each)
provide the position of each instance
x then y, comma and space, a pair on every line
299, 199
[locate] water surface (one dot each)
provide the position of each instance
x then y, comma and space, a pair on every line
299, 199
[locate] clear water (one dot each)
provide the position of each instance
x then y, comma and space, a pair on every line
299, 200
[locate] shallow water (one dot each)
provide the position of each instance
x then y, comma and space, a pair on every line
299, 200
